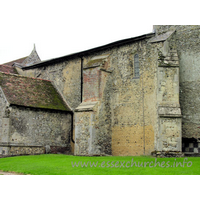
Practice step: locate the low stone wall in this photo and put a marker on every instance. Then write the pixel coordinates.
(164, 154)
(9, 150)
(26, 150)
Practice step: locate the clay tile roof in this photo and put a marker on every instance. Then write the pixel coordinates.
(33, 58)
(8, 69)
(20, 61)
(31, 92)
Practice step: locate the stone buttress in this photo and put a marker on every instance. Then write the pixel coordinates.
(168, 140)
(88, 134)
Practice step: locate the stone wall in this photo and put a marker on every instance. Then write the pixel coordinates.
(125, 121)
(35, 131)
(85, 134)
(169, 138)
(26, 150)
(2, 107)
(65, 75)
(133, 99)
(93, 116)
(187, 41)
(4, 122)
(127, 118)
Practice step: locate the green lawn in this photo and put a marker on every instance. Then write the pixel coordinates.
(58, 164)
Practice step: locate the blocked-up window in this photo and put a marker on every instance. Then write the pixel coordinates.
(136, 65)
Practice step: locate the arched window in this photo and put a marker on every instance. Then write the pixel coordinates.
(136, 66)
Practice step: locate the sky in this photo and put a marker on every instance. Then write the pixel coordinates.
(62, 27)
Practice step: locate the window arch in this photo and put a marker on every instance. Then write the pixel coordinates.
(136, 66)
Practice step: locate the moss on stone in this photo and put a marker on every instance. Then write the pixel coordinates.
(31, 92)
(96, 62)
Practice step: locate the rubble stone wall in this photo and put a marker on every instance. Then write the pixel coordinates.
(125, 121)
(187, 42)
(66, 76)
(32, 130)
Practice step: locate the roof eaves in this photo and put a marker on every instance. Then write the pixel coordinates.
(61, 95)
(41, 108)
(89, 51)
(64, 108)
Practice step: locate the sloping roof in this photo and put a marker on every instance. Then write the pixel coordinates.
(8, 69)
(31, 92)
(161, 37)
(20, 61)
(32, 59)
(86, 52)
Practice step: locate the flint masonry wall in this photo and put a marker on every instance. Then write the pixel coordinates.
(4, 123)
(2, 106)
(134, 112)
(187, 42)
(66, 75)
(125, 120)
(93, 116)
(31, 130)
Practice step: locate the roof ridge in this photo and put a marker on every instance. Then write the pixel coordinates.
(21, 76)
(91, 50)
(16, 60)
(6, 65)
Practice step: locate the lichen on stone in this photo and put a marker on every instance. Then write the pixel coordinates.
(31, 92)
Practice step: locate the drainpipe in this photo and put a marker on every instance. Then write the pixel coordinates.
(72, 126)
(81, 79)
(72, 114)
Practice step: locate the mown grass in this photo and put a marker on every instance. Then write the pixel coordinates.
(58, 164)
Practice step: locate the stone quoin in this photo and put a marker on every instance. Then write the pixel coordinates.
(137, 96)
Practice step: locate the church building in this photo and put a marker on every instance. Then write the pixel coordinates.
(137, 96)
